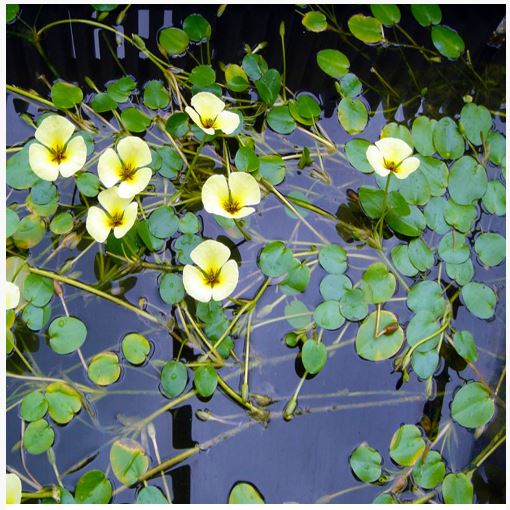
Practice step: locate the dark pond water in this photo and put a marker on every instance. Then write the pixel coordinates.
(351, 400)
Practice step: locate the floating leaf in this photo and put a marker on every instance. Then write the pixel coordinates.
(35, 317)
(205, 381)
(155, 96)
(378, 284)
(245, 493)
(425, 363)
(12, 222)
(390, 339)
(411, 225)
(63, 402)
(280, 120)
(494, 199)
(30, 232)
(476, 121)
(366, 28)
(174, 40)
(37, 290)
(353, 115)
(457, 489)
(93, 488)
(472, 405)
(38, 437)
(353, 305)
(177, 124)
(297, 314)
(467, 181)
(19, 174)
(67, 334)
(333, 286)
(128, 460)
(447, 41)
(276, 259)
(150, 495)
(174, 378)
(272, 168)
(333, 62)
(296, 280)
(462, 273)
(422, 133)
(66, 95)
(426, 14)
(315, 21)
(254, 65)
(490, 248)
(62, 223)
(434, 215)
(246, 160)
(327, 315)
(356, 152)
(236, 78)
(464, 344)
(497, 148)
(350, 85)
(420, 255)
(268, 86)
(479, 299)
(171, 288)
(33, 406)
(460, 217)
(333, 259)
(448, 141)
(120, 90)
(426, 295)
(387, 14)
(135, 120)
(366, 463)
(103, 102)
(104, 368)
(421, 326)
(196, 27)
(314, 355)
(453, 248)
(401, 260)
(406, 445)
(88, 184)
(163, 222)
(429, 472)
(135, 348)
(374, 204)
(11, 12)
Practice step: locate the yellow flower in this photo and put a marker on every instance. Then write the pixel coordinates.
(391, 155)
(209, 114)
(57, 152)
(128, 166)
(11, 295)
(215, 277)
(229, 198)
(120, 215)
(12, 489)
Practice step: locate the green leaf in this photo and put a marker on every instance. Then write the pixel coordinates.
(246, 160)
(387, 14)
(88, 184)
(66, 95)
(350, 85)
(33, 406)
(472, 405)
(37, 290)
(135, 348)
(196, 27)
(496, 143)
(333, 286)
(429, 472)
(202, 76)
(387, 344)
(67, 334)
(426, 14)
(184, 245)
(314, 355)
(63, 402)
(464, 344)
(333, 62)
(415, 188)
(394, 130)
(460, 217)
(268, 86)
(462, 273)
(406, 445)
(104, 368)
(11, 12)
(447, 41)
(453, 248)
(297, 314)
(163, 222)
(205, 381)
(62, 223)
(378, 284)
(401, 260)
(135, 120)
(103, 102)
(38, 437)
(174, 378)
(356, 152)
(327, 315)
(189, 223)
(19, 174)
(366, 28)
(476, 121)
(307, 107)
(275, 259)
(420, 255)
(280, 120)
(333, 259)
(448, 141)
(353, 115)
(434, 215)
(353, 305)
(272, 168)
(366, 463)
(236, 78)
(467, 181)
(120, 90)
(490, 248)
(173, 40)
(425, 363)
(128, 461)
(426, 295)
(155, 96)
(457, 489)
(171, 288)
(410, 225)
(93, 488)
(245, 493)
(30, 232)
(177, 124)
(314, 21)
(479, 299)
(494, 199)
(422, 133)
(296, 280)
(12, 222)
(254, 65)
(421, 326)
(373, 202)
(150, 495)
(385, 498)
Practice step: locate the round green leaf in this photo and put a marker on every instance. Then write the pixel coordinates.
(497, 148)
(276, 259)
(422, 132)
(11, 11)
(12, 222)
(135, 348)
(196, 27)
(434, 215)
(429, 472)
(151, 496)
(34, 406)
(406, 445)
(268, 86)
(128, 461)
(315, 21)
(280, 120)
(202, 76)
(155, 96)
(410, 225)
(353, 115)
(174, 378)
(356, 152)
(421, 326)
(353, 305)
(333, 286)
(177, 124)
(272, 168)
(93, 488)
(477, 122)
(173, 40)
(467, 181)
(246, 160)
(189, 223)
(453, 248)
(327, 315)
(457, 489)
(366, 28)
(464, 344)
(205, 381)
(66, 334)
(472, 405)
(426, 14)
(171, 288)
(366, 463)
(460, 217)
(378, 284)
(37, 290)
(447, 41)
(416, 188)
(30, 232)
(63, 402)
(314, 355)
(420, 255)
(297, 314)
(120, 90)
(296, 280)
(490, 248)
(385, 498)
(254, 65)
(426, 296)
(436, 173)
(103, 102)
(462, 273)
(387, 14)
(350, 85)
(163, 222)
(494, 199)
(236, 78)
(38, 437)
(245, 493)
(62, 223)
(333, 62)
(333, 259)
(425, 363)
(135, 120)
(19, 175)
(66, 95)
(384, 346)
(104, 368)
(401, 260)
(448, 141)
(88, 184)
(479, 299)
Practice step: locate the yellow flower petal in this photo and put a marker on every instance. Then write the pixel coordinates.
(54, 131)
(376, 160)
(393, 150)
(12, 295)
(195, 284)
(210, 255)
(109, 168)
(195, 117)
(135, 184)
(98, 224)
(112, 202)
(207, 105)
(244, 188)
(128, 220)
(41, 162)
(75, 157)
(134, 152)
(12, 489)
(227, 121)
(228, 278)
(407, 167)
(215, 194)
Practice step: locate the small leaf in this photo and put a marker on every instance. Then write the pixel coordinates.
(378, 284)
(490, 248)
(150, 495)
(366, 463)
(135, 348)
(327, 315)
(333, 259)
(104, 368)
(280, 120)
(268, 86)
(464, 344)
(314, 21)
(67, 334)
(448, 141)
(353, 115)
(66, 95)
(457, 489)
(430, 472)
(128, 461)
(205, 381)
(447, 41)
(135, 120)
(33, 406)
(174, 378)
(366, 28)
(155, 96)
(245, 493)
(406, 445)
(426, 14)
(93, 488)
(174, 40)
(333, 62)
(196, 27)
(38, 437)
(63, 402)
(314, 356)
(171, 288)
(479, 299)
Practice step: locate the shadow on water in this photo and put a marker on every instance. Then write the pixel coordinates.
(308, 457)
